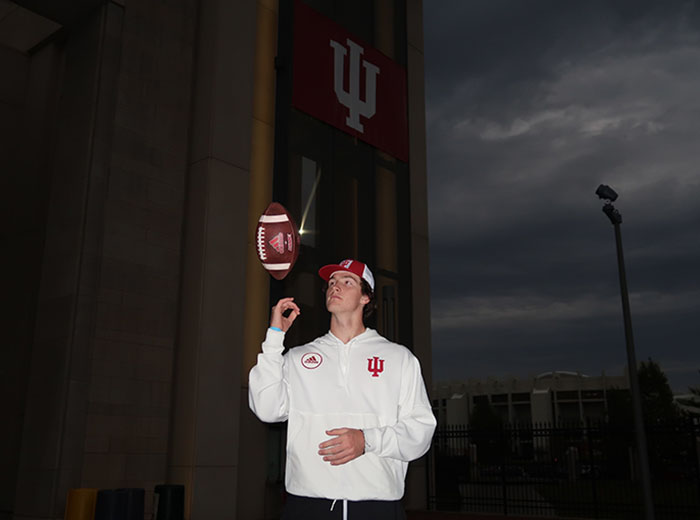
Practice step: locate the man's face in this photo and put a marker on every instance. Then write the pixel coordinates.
(344, 293)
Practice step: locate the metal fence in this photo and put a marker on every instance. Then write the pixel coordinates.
(565, 470)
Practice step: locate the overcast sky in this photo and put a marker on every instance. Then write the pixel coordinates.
(531, 104)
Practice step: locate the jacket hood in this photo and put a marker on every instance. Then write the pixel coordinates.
(368, 335)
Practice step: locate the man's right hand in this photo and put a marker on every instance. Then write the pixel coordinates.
(277, 318)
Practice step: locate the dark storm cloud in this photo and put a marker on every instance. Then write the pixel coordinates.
(531, 105)
(514, 42)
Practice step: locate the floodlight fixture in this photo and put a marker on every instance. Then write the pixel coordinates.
(606, 193)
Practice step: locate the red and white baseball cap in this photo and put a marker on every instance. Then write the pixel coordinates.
(349, 266)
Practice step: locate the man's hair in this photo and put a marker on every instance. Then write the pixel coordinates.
(371, 305)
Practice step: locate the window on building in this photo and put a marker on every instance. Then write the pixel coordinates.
(592, 394)
(481, 399)
(310, 179)
(567, 395)
(522, 397)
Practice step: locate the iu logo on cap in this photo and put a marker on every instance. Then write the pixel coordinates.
(375, 366)
(311, 360)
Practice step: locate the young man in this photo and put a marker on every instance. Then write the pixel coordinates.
(356, 404)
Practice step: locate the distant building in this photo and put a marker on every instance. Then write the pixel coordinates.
(550, 397)
(688, 403)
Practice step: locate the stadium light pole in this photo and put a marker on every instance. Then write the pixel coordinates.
(609, 195)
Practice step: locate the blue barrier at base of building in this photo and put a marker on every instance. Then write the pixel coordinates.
(120, 504)
(170, 502)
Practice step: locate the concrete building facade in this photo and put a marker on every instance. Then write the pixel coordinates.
(139, 143)
(549, 398)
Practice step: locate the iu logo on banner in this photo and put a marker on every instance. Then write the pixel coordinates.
(349, 84)
(351, 98)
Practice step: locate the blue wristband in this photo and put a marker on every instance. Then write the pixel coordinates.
(276, 328)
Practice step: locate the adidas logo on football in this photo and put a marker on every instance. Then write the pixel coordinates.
(278, 243)
(311, 360)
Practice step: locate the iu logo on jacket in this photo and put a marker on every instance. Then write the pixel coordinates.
(375, 366)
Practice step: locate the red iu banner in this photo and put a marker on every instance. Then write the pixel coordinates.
(344, 82)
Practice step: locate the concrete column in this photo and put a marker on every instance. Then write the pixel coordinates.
(204, 452)
(254, 496)
(24, 214)
(53, 434)
(416, 493)
(133, 344)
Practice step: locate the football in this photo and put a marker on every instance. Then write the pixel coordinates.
(277, 241)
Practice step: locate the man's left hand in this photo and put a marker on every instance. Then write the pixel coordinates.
(346, 445)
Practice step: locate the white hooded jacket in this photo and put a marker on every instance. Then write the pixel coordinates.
(370, 384)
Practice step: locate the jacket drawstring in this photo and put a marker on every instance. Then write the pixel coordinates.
(345, 508)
